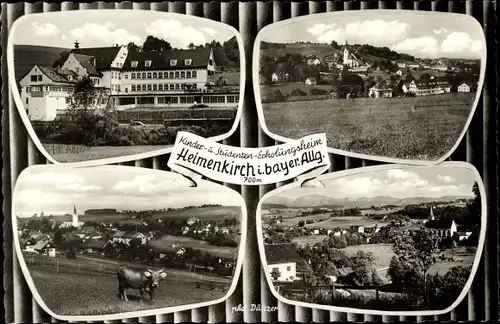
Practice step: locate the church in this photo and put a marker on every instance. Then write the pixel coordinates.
(441, 228)
(74, 221)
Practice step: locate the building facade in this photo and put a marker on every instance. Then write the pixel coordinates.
(174, 78)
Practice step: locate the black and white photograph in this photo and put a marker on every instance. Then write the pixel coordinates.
(112, 240)
(393, 239)
(385, 85)
(114, 83)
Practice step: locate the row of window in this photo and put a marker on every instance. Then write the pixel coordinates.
(36, 78)
(163, 75)
(160, 87)
(49, 88)
(190, 99)
(147, 63)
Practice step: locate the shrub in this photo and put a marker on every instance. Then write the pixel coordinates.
(318, 92)
(297, 93)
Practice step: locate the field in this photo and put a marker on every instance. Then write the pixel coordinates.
(165, 244)
(343, 222)
(309, 240)
(203, 213)
(83, 293)
(384, 254)
(393, 127)
(78, 153)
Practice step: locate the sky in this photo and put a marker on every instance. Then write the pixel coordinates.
(412, 182)
(417, 34)
(56, 190)
(97, 28)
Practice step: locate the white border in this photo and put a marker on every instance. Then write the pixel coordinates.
(144, 13)
(365, 14)
(148, 312)
(370, 169)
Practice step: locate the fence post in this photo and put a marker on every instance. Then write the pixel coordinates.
(57, 265)
(376, 295)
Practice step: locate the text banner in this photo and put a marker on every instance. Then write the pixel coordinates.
(249, 166)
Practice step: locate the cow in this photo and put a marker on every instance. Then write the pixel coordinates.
(145, 281)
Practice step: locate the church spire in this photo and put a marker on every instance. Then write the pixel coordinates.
(74, 209)
(431, 214)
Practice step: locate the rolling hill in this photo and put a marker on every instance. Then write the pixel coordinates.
(322, 201)
(25, 56)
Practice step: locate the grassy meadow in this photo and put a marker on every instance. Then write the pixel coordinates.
(423, 128)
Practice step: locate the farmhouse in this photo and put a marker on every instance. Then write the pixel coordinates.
(310, 81)
(465, 87)
(45, 247)
(282, 258)
(313, 60)
(96, 246)
(380, 90)
(139, 236)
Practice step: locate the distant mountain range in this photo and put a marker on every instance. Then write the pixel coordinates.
(321, 201)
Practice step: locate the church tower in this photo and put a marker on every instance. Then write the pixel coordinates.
(346, 54)
(75, 217)
(431, 214)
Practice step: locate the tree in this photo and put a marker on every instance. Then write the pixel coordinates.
(191, 46)
(155, 44)
(63, 56)
(132, 47)
(474, 209)
(419, 249)
(275, 274)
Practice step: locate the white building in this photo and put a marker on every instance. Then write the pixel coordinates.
(282, 258)
(420, 88)
(441, 228)
(464, 87)
(44, 91)
(350, 59)
(174, 78)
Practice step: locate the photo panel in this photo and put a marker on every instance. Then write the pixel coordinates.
(107, 86)
(383, 240)
(388, 85)
(112, 242)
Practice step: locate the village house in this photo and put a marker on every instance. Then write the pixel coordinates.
(139, 236)
(278, 77)
(463, 235)
(313, 60)
(86, 233)
(45, 247)
(282, 258)
(465, 87)
(95, 246)
(380, 90)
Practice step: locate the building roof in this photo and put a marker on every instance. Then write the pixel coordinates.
(439, 224)
(53, 74)
(161, 60)
(96, 244)
(120, 234)
(104, 55)
(87, 62)
(281, 253)
(137, 235)
(345, 271)
(381, 86)
(41, 244)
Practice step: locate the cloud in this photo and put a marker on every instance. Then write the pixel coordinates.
(103, 33)
(458, 42)
(319, 29)
(440, 31)
(175, 33)
(46, 29)
(423, 45)
(375, 32)
(209, 31)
